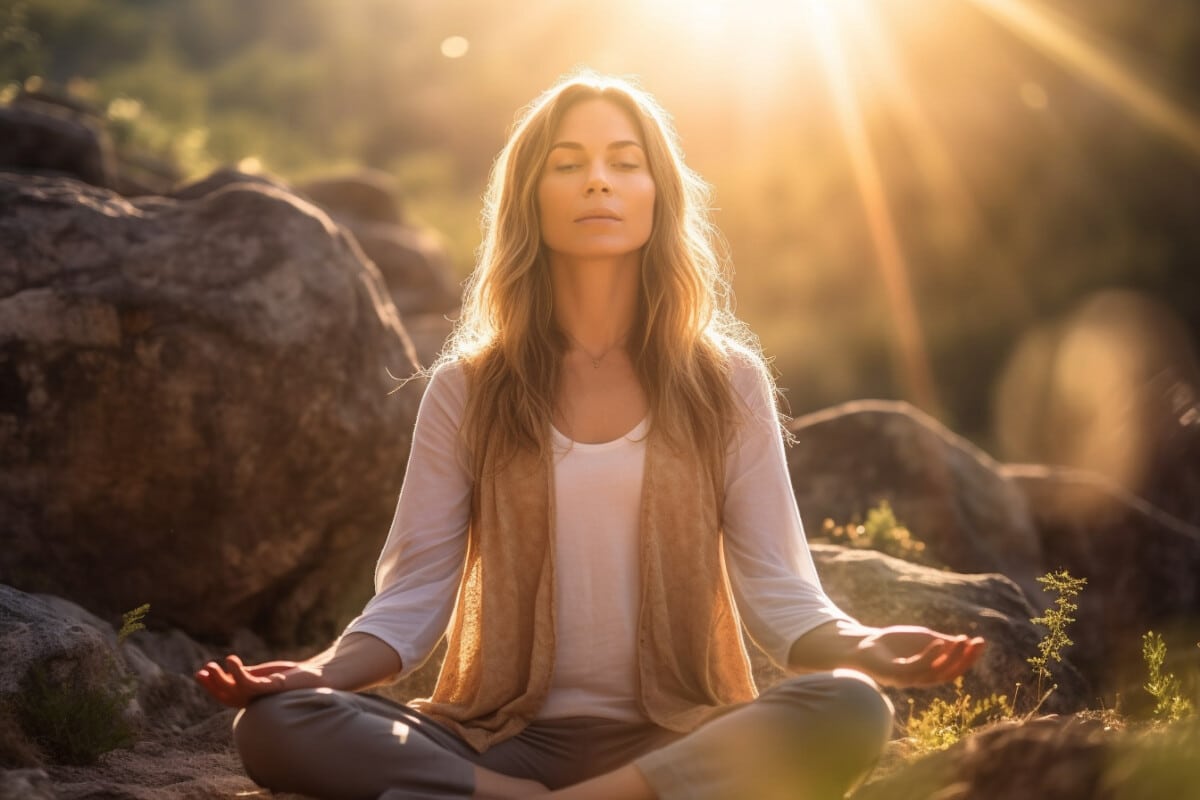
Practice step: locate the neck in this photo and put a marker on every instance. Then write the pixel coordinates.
(595, 300)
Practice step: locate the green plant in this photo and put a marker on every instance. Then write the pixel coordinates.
(75, 721)
(1055, 620)
(881, 531)
(944, 723)
(1170, 704)
(131, 622)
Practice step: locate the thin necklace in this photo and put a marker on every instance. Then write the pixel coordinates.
(597, 359)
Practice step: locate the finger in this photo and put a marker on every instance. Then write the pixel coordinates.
(933, 653)
(950, 653)
(974, 652)
(241, 676)
(218, 690)
(939, 658)
(960, 662)
(216, 675)
(913, 671)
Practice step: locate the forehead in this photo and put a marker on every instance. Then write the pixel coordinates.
(596, 121)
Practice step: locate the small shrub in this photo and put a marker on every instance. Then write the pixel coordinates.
(1170, 704)
(944, 723)
(1055, 620)
(881, 531)
(74, 723)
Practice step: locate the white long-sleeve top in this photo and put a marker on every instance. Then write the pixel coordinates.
(597, 501)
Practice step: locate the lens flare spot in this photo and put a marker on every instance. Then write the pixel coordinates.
(1098, 390)
(455, 46)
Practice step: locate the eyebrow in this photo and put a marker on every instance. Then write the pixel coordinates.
(613, 146)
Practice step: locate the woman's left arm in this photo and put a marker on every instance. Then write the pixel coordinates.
(774, 579)
(898, 655)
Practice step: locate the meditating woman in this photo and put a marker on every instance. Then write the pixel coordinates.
(596, 502)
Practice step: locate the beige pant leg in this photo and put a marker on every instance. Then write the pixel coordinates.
(809, 738)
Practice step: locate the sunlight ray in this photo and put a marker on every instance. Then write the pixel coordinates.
(916, 372)
(1057, 40)
(934, 161)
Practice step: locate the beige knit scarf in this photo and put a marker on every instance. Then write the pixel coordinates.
(500, 643)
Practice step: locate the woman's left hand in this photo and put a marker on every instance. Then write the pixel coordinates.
(909, 655)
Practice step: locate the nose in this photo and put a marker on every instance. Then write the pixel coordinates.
(597, 182)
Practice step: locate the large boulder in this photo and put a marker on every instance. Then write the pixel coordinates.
(949, 493)
(195, 406)
(1142, 566)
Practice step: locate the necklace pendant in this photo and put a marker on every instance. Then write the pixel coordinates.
(595, 363)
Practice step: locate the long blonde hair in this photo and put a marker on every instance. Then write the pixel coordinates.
(684, 332)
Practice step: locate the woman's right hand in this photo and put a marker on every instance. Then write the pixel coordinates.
(235, 684)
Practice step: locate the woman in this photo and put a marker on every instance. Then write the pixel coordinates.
(596, 500)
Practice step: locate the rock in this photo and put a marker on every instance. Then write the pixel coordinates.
(195, 407)
(414, 264)
(59, 99)
(219, 179)
(880, 590)
(413, 260)
(1052, 758)
(26, 784)
(45, 138)
(951, 495)
(1141, 565)
(142, 174)
(62, 684)
(367, 196)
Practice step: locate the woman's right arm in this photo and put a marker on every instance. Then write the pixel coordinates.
(355, 661)
(416, 578)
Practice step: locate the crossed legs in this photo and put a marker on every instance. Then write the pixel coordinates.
(809, 738)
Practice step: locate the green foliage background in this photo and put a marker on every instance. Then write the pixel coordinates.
(1008, 215)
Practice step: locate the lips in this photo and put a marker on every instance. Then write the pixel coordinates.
(598, 214)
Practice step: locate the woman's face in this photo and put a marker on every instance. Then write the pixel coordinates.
(596, 196)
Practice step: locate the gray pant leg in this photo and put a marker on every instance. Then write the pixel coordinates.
(810, 738)
(346, 746)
